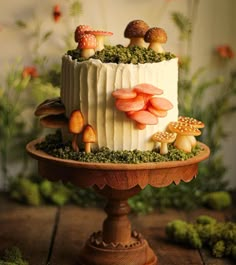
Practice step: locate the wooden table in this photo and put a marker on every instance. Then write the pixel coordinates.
(54, 235)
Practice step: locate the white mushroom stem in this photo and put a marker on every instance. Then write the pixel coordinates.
(74, 143)
(87, 147)
(137, 42)
(192, 140)
(86, 53)
(182, 142)
(163, 149)
(156, 46)
(100, 43)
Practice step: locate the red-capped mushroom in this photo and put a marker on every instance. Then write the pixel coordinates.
(135, 31)
(87, 44)
(99, 35)
(80, 30)
(156, 37)
(89, 137)
(76, 124)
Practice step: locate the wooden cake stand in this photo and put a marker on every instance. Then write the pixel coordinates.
(117, 243)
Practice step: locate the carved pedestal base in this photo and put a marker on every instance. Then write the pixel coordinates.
(97, 252)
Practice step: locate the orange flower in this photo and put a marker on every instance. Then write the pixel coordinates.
(225, 52)
(56, 13)
(30, 71)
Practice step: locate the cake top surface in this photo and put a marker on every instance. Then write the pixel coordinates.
(127, 55)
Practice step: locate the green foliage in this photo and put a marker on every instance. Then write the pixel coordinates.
(218, 200)
(13, 256)
(183, 23)
(36, 191)
(219, 237)
(76, 9)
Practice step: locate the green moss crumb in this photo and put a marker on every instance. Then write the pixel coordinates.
(54, 146)
(127, 55)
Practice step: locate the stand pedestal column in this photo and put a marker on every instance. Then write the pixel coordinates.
(117, 244)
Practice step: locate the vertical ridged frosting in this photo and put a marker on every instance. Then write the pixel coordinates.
(88, 86)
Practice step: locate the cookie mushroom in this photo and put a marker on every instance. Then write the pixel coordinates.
(164, 138)
(76, 125)
(88, 137)
(135, 31)
(156, 37)
(52, 106)
(80, 30)
(87, 44)
(100, 36)
(183, 131)
(54, 121)
(194, 122)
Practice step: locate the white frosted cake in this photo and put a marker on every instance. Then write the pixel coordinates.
(88, 86)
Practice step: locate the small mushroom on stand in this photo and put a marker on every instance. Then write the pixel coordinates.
(135, 31)
(156, 37)
(87, 44)
(76, 125)
(164, 138)
(183, 131)
(89, 137)
(194, 122)
(99, 35)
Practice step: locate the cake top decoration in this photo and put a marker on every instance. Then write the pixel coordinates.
(156, 37)
(135, 31)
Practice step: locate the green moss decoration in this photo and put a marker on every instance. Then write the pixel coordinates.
(53, 146)
(127, 55)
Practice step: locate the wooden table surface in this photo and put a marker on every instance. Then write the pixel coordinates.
(53, 235)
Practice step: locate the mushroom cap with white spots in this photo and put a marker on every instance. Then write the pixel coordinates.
(80, 30)
(164, 137)
(155, 34)
(196, 123)
(182, 128)
(136, 29)
(87, 41)
(99, 32)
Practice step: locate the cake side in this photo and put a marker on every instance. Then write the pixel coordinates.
(88, 86)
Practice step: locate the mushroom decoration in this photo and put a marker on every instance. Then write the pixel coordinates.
(141, 104)
(164, 138)
(54, 121)
(87, 44)
(156, 37)
(194, 122)
(183, 130)
(80, 30)
(135, 31)
(52, 106)
(52, 112)
(89, 137)
(99, 35)
(76, 124)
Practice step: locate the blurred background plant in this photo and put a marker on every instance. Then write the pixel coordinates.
(27, 86)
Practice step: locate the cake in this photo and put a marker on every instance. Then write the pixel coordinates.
(88, 86)
(123, 95)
